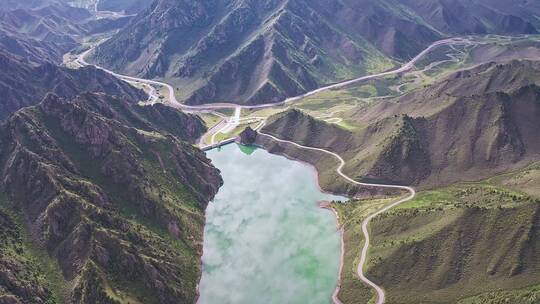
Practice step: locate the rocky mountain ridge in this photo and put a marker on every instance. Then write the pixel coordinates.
(118, 204)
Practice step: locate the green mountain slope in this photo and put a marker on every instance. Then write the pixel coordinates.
(470, 243)
(115, 203)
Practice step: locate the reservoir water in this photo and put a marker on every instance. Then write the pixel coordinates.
(266, 240)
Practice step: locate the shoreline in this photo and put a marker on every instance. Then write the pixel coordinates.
(380, 294)
(327, 205)
(334, 299)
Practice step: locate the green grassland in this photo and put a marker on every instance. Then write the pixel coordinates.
(241, 127)
(226, 112)
(264, 112)
(210, 120)
(530, 295)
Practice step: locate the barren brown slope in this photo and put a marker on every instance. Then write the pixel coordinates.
(447, 132)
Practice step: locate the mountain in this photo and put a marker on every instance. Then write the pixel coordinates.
(33, 50)
(99, 204)
(47, 32)
(102, 200)
(125, 6)
(465, 244)
(471, 125)
(23, 84)
(251, 52)
(526, 9)
(56, 25)
(461, 17)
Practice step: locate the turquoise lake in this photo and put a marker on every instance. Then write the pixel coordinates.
(266, 240)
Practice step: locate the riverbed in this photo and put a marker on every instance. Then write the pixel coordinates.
(266, 240)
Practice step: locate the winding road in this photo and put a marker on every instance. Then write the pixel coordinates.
(189, 108)
(365, 224)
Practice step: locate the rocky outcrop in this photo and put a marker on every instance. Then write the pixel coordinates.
(405, 155)
(157, 117)
(119, 204)
(248, 136)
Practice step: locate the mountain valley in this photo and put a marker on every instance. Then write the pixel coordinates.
(419, 117)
